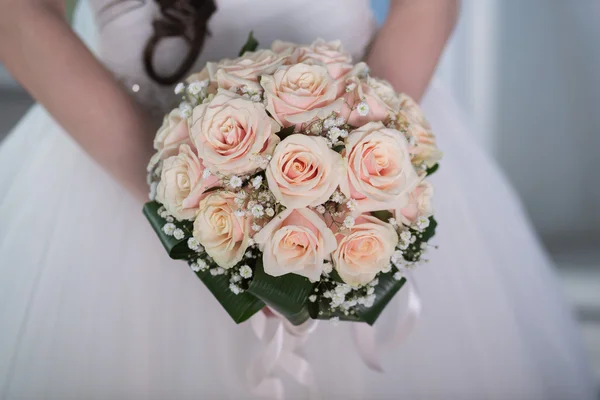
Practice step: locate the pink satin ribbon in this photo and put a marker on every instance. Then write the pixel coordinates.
(282, 340)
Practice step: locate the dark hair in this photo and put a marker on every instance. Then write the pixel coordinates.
(186, 19)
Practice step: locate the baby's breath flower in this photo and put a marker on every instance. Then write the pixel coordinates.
(422, 223)
(312, 298)
(374, 282)
(350, 87)
(195, 267)
(195, 245)
(195, 88)
(329, 123)
(235, 181)
(257, 211)
(206, 173)
(256, 98)
(340, 121)
(398, 275)
(169, 228)
(235, 278)
(235, 289)
(386, 269)
(256, 227)
(179, 88)
(239, 213)
(349, 221)
(270, 212)
(362, 108)
(405, 236)
(251, 242)
(393, 222)
(178, 234)
(320, 209)
(257, 181)
(351, 204)
(185, 109)
(245, 272)
(327, 267)
(397, 258)
(338, 197)
(217, 271)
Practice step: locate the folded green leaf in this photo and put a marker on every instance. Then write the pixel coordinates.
(251, 44)
(176, 248)
(287, 294)
(432, 169)
(240, 306)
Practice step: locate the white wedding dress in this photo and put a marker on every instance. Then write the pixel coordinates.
(91, 307)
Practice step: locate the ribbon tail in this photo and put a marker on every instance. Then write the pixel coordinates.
(364, 336)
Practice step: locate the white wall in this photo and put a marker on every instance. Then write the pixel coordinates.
(528, 71)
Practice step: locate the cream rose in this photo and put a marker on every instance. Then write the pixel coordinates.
(245, 70)
(295, 242)
(330, 54)
(230, 132)
(223, 234)
(299, 93)
(304, 171)
(173, 132)
(364, 250)
(419, 204)
(423, 146)
(379, 174)
(379, 95)
(181, 183)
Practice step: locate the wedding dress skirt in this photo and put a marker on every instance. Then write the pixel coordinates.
(91, 307)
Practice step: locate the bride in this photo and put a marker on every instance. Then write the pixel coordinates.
(90, 305)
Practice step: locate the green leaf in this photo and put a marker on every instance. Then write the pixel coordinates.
(385, 290)
(285, 132)
(382, 215)
(251, 44)
(339, 148)
(432, 169)
(177, 249)
(239, 306)
(287, 294)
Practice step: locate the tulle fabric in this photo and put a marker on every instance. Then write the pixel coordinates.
(91, 307)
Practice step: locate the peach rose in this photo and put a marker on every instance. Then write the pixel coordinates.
(295, 242)
(380, 175)
(181, 183)
(419, 204)
(423, 147)
(245, 70)
(330, 54)
(173, 132)
(223, 234)
(230, 132)
(304, 171)
(364, 250)
(299, 93)
(378, 95)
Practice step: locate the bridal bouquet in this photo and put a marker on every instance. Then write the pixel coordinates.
(291, 178)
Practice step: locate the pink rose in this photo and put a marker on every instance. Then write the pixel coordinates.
(329, 54)
(295, 242)
(379, 96)
(181, 183)
(299, 93)
(411, 120)
(304, 171)
(245, 70)
(172, 133)
(419, 204)
(231, 133)
(364, 250)
(223, 234)
(380, 175)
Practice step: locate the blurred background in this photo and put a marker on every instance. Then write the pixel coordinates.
(527, 74)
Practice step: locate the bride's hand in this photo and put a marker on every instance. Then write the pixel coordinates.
(41, 51)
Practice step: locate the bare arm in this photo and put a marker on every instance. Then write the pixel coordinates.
(407, 48)
(41, 51)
